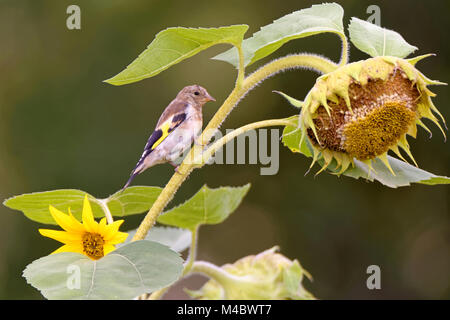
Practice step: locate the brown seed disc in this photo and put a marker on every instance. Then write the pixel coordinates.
(382, 112)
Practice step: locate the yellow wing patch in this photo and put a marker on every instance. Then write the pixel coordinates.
(165, 132)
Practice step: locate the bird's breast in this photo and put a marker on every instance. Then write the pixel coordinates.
(182, 137)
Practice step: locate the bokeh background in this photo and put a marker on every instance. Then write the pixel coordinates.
(62, 127)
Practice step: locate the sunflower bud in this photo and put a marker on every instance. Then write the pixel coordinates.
(266, 276)
(366, 108)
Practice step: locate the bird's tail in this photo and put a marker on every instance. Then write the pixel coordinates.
(134, 174)
(139, 169)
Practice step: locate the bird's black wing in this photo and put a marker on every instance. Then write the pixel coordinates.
(158, 136)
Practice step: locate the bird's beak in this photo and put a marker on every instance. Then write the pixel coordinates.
(209, 98)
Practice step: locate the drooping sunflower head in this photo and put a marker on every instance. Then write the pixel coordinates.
(91, 238)
(366, 108)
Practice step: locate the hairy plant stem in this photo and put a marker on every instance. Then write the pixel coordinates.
(289, 62)
(192, 252)
(207, 269)
(212, 271)
(219, 274)
(345, 52)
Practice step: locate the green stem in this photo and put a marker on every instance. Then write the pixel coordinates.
(208, 269)
(215, 272)
(289, 62)
(192, 251)
(344, 54)
(104, 204)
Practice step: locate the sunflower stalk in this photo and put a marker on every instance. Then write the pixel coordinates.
(344, 52)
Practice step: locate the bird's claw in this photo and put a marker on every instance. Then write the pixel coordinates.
(175, 166)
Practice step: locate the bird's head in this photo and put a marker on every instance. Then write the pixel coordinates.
(196, 94)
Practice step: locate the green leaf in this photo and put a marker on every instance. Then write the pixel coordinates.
(436, 180)
(136, 268)
(207, 206)
(405, 174)
(377, 41)
(132, 200)
(320, 18)
(175, 238)
(172, 46)
(291, 138)
(35, 205)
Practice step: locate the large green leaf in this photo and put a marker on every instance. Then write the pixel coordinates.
(136, 268)
(405, 174)
(173, 45)
(377, 41)
(207, 206)
(320, 18)
(175, 238)
(35, 205)
(132, 200)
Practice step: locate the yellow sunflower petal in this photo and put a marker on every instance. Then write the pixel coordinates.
(88, 218)
(62, 236)
(68, 223)
(112, 229)
(107, 248)
(118, 237)
(69, 248)
(76, 222)
(102, 226)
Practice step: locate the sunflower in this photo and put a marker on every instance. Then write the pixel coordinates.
(365, 109)
(90, 238)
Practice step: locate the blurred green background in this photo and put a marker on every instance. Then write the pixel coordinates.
(61, 127)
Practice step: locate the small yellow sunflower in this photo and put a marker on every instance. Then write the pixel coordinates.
(90, 238)
(365, 109)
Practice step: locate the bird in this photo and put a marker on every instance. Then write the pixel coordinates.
(178, 126)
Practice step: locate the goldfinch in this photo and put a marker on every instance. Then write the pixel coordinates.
(179, 125)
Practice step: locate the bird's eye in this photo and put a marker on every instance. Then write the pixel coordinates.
(196, 93)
